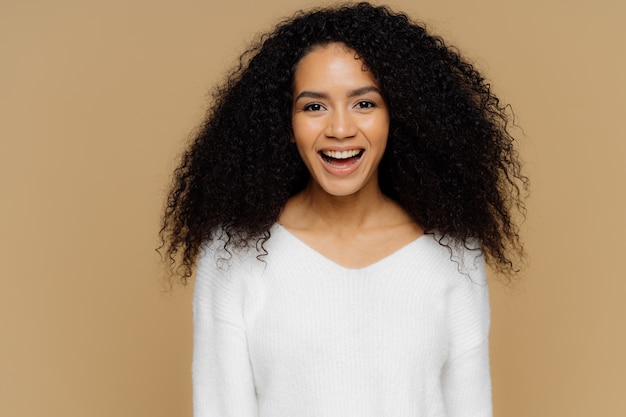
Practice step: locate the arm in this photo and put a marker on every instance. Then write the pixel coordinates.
(466, 379)
(223, 385)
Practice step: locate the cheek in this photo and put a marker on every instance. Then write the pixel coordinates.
(306, 131)
(378, 131)
(384, 127)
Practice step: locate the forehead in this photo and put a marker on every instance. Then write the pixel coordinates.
(332, 64)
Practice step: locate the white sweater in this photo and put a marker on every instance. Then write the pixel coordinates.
(296, 335)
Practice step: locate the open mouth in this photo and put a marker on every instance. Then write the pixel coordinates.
(342, 159)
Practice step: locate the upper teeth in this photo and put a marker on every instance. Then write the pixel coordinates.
(342, 154)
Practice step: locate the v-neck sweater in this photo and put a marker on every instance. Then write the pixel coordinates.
(291, 333)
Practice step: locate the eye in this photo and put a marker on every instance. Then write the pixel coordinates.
(364, 104)
(313, 107)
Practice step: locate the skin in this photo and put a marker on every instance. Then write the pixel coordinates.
(342, 213)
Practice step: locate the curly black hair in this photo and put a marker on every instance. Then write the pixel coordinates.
(449, 162)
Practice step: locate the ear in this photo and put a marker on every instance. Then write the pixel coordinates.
(292, 139)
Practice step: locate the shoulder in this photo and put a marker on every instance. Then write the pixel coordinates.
(451, 258)
(221, 270)
(224, 285)
(222, 252)
(461, 268)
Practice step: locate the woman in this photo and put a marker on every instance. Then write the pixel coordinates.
(341, 198)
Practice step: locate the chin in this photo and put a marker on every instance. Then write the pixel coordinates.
(344, 190)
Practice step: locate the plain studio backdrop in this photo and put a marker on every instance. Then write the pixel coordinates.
(96, 102)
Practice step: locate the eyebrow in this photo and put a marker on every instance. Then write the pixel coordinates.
(351, 93)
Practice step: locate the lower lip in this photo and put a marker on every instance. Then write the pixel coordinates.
(341, 171)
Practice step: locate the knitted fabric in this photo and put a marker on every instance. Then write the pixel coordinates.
(294, 334)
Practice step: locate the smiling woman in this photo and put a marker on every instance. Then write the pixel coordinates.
(340, 221)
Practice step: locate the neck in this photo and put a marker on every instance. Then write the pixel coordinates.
(342, 213)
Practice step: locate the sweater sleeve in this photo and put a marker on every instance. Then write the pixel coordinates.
(466, 378)
(223, 384)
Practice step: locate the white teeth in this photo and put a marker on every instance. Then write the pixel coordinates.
(342, 154)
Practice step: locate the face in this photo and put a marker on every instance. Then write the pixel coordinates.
(340, 120)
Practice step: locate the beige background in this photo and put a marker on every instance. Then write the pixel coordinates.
(96, 100)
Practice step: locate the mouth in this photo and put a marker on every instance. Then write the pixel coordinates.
(341, 159)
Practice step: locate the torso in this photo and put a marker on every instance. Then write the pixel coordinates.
(327, 340)
(312, 337)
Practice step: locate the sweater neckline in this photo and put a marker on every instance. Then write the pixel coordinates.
(379, 263)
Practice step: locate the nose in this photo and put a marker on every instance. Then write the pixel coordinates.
(340, 125)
